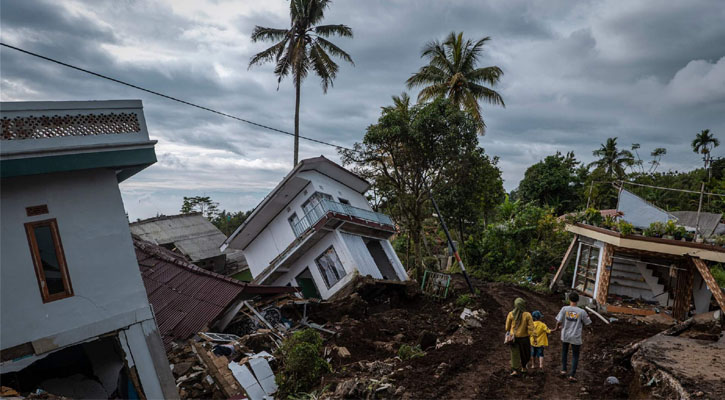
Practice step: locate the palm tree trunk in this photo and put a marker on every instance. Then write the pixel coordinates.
(297, 121)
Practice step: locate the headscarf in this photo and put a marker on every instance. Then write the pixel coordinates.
(537, 315)
(519, 309)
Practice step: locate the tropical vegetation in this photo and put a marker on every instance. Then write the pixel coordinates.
(452, 72)
(301, 48)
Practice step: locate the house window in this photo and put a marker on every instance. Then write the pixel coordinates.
(50, 267)
(344, 201)
(311, 205)
(293, 220)
(586, 272)
(330, 267)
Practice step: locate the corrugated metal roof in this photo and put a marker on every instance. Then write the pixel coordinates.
(192, 234)
(708, 221)
(186, 298)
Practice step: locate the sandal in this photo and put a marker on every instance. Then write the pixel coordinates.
(572, 379)
(514, 373)
(562, 373)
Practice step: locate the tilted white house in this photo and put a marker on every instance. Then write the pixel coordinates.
(75, 319)
(316, 230)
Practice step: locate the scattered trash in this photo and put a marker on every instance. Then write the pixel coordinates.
(473, 319)
(612, 380)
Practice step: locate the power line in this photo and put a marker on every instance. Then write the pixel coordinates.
(672, 189)
(172, 97)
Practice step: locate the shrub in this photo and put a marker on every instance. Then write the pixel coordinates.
(407, 352)
(656, 229)
(625, 228)
(302, 363)
(593, 217)
(718, 272)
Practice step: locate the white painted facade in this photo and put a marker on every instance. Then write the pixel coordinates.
(108, 296)
(274, 237)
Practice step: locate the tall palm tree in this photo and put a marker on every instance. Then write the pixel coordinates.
(451, 72)
(301, 47)
(704, 143)
(612, 160)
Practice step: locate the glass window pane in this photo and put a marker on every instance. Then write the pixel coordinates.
(330, 267)
(49, 259)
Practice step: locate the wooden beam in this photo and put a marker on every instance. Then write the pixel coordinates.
(683, 293)
(605, 272)
(710, 281)
(564, 262)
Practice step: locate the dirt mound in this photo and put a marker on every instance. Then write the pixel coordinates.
(466, 362)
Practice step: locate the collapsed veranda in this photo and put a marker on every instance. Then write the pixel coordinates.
(672, 274)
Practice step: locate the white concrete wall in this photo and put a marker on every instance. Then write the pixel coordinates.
(308, 260)
(278, 234)
(107, 286)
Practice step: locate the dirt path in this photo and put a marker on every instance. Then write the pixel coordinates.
(476, 364)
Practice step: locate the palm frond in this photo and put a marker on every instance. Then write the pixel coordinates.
(489, 95)
(270, 54)
(334, 50)
(331, 30)
(271, 34)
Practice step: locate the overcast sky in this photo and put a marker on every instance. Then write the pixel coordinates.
(575, 73)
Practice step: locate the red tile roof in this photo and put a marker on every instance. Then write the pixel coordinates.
(186, 298)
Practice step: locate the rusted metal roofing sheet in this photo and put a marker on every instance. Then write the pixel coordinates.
(185, 298)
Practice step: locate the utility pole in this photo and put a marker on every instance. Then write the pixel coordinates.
(699, 207)
(450, 241)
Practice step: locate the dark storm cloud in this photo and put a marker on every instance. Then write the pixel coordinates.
(648, 72)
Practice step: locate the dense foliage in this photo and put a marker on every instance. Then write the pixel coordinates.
(414, 149)
(527, 242)
(556, 181)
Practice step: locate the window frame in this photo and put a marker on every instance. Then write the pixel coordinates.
(322, 272)
(38, 264)
(586, 266)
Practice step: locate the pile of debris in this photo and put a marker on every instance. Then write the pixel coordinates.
(240, 361)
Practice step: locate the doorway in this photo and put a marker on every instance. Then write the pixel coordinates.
(381, 260)
(306, 283)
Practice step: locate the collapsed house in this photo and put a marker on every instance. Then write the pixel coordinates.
(316, 230)
(657, 271)
(75, 318)
(187, 299)
(195, 238)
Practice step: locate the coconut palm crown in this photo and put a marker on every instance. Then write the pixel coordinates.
(612, 160)
(302, 47)
(704, 143)
(452, 73)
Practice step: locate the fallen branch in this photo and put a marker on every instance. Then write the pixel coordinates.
(679, 328)
(606, 321)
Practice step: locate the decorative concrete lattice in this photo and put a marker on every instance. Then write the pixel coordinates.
(31, 127)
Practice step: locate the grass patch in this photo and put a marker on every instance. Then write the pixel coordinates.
(407, 352)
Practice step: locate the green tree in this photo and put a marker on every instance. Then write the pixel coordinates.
(201, 204)
(555, 181)
(409, 150)
(703, 143)
(228, 222)
(470, 192)
(303, 47)
(612, 160)
(451, 73)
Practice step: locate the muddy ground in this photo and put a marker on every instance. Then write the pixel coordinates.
(467, 362)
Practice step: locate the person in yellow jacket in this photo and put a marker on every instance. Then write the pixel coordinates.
(539, 339)
(521, 325)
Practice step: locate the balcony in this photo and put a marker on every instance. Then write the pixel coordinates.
(328, 209)
(41, 137)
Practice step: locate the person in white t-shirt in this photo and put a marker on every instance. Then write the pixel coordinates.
(571, 319)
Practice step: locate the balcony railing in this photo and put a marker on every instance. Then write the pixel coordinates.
(325, 206)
